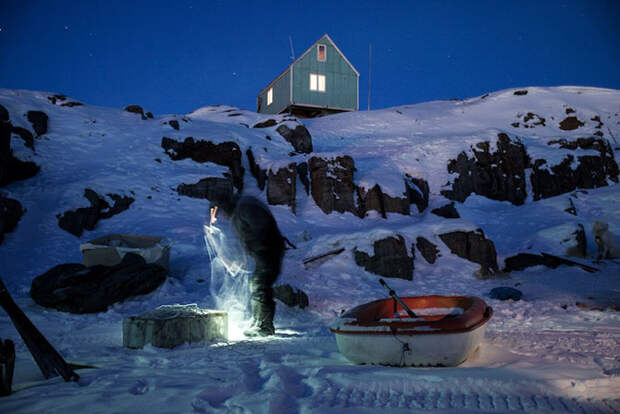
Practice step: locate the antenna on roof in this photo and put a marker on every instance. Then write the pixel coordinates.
(290, 41)
(369, 71)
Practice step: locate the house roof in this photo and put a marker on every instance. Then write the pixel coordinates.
(304, 54)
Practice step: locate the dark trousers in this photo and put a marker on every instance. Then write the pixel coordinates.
(268, 264)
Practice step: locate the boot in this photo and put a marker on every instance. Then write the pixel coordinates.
(262, 323)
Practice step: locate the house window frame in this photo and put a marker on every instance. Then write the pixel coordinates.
(269, 96)
(319, 80)
(318, 52)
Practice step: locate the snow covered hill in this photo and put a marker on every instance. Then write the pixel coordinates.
(532, 168)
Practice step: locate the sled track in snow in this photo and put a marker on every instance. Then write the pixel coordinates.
(334, 396)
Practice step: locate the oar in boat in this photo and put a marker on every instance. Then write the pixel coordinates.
(397, 299)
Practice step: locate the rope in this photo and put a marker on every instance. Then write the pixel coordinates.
(404, 350)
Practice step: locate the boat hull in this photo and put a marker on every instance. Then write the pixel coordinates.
(410, 350)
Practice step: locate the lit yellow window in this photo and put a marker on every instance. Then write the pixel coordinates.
(317, 82)
(269, 96)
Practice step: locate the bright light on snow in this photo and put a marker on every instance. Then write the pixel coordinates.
(229, 284)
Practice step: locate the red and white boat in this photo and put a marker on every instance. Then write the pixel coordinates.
(446, 330)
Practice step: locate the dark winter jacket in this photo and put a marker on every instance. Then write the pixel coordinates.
(256, 227)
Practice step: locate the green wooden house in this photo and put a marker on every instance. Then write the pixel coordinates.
(321, 81)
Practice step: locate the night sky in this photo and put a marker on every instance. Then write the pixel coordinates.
(174, 57)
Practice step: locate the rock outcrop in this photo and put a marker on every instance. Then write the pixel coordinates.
(498, 175)
(303, 174)
(299, 138)
(25, 135)
(417, 192)
(475, 247)
(75, 288)
(448, 211)
(86, 218)
(210, 188)
(11, 212)
(39, 121)
(281, 186)
(375, 199)
(266, 124)
(4, 114)
(259, 174)
(227, 154)
(11, 168)
(592, 171)
(427, 249)
(390, 258)
(331, 183)
(137, 109)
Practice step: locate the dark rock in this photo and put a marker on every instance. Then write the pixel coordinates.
(290, 297)
(299, 137)
(281, 186)
(5, 140)
(591, 172)
(149, 115)
(174, 124)
(473, 246)
(302, 173)
(427, 249)
(21, 170)
(56, 97)
(226, 153)
(76, 221)
(597, 119)
(524, 260)
(72, 104)
(39, 121)
(259, 174)
(417, 192)
(370, 200)
(11, 168)
(74, 288)
(211, 188)
(448, 211)
(521, 92)
(570, 123)
(332, 184)
(136, 109)
(4, 114)
(570, 111)
(505, 293)
(390, 259)
(538, 120)
(266, 124)
(86, 218)
(11, 212)
(499, 175)
(376, 199)
(120, 204)
(24, 134)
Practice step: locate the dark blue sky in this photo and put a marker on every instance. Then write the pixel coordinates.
(173, 57)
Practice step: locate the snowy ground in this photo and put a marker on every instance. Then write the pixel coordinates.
(541, 354)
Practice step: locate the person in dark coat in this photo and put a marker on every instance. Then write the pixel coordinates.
(260, 236)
